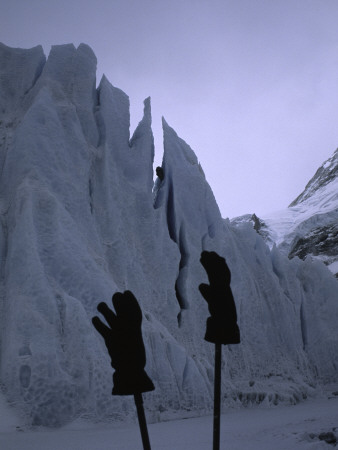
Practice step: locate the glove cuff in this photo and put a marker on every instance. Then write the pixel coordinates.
(130, 383)
(219, 332)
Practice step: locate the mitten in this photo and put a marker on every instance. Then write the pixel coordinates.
(123, 339)
(222, 325)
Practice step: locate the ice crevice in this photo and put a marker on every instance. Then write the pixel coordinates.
(303, 325)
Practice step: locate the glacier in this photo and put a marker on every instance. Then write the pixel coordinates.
(81, 218)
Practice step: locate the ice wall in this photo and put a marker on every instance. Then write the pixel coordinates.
(79, 221)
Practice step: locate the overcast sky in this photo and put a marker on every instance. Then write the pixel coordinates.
(250, 85)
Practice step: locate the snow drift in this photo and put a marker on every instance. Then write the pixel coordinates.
(80, 221)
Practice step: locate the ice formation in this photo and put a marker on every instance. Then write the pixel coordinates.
(80, 221)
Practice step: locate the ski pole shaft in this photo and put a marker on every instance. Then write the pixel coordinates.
(217, 396)
(142, 421)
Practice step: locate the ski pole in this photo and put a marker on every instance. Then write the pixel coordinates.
(142, 421)
(123, 339)
(217, 396)
(222, 325)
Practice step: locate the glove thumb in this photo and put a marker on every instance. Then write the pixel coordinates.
(205, 290)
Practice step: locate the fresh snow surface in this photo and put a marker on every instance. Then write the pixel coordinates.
(294, 427)
(334, 267)
(312, 212)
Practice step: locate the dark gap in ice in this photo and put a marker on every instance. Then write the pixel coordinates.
(178, 296)
(179, 317)
(90, 188)
(98, 118)
(180, 240)
(182, 274)
(303, 326)
(37, 75)
(171, 214)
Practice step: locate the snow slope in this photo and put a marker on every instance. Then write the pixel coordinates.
(318, 210)
(299, 427)
(79, 221)
(309, 225)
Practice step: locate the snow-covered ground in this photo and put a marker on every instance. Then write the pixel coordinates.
(264, 428)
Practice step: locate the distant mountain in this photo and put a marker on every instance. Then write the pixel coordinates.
(326, 174)
(309, 226)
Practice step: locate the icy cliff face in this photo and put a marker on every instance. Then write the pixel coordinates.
(79, 221)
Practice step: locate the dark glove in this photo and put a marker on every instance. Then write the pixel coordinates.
(222, 326)
(123, 339)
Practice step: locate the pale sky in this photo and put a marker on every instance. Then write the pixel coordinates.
(250, 85)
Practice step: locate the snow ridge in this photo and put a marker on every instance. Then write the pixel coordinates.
(326, 173)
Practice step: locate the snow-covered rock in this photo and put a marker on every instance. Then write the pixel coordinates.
(309, 226)
(80, 221)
